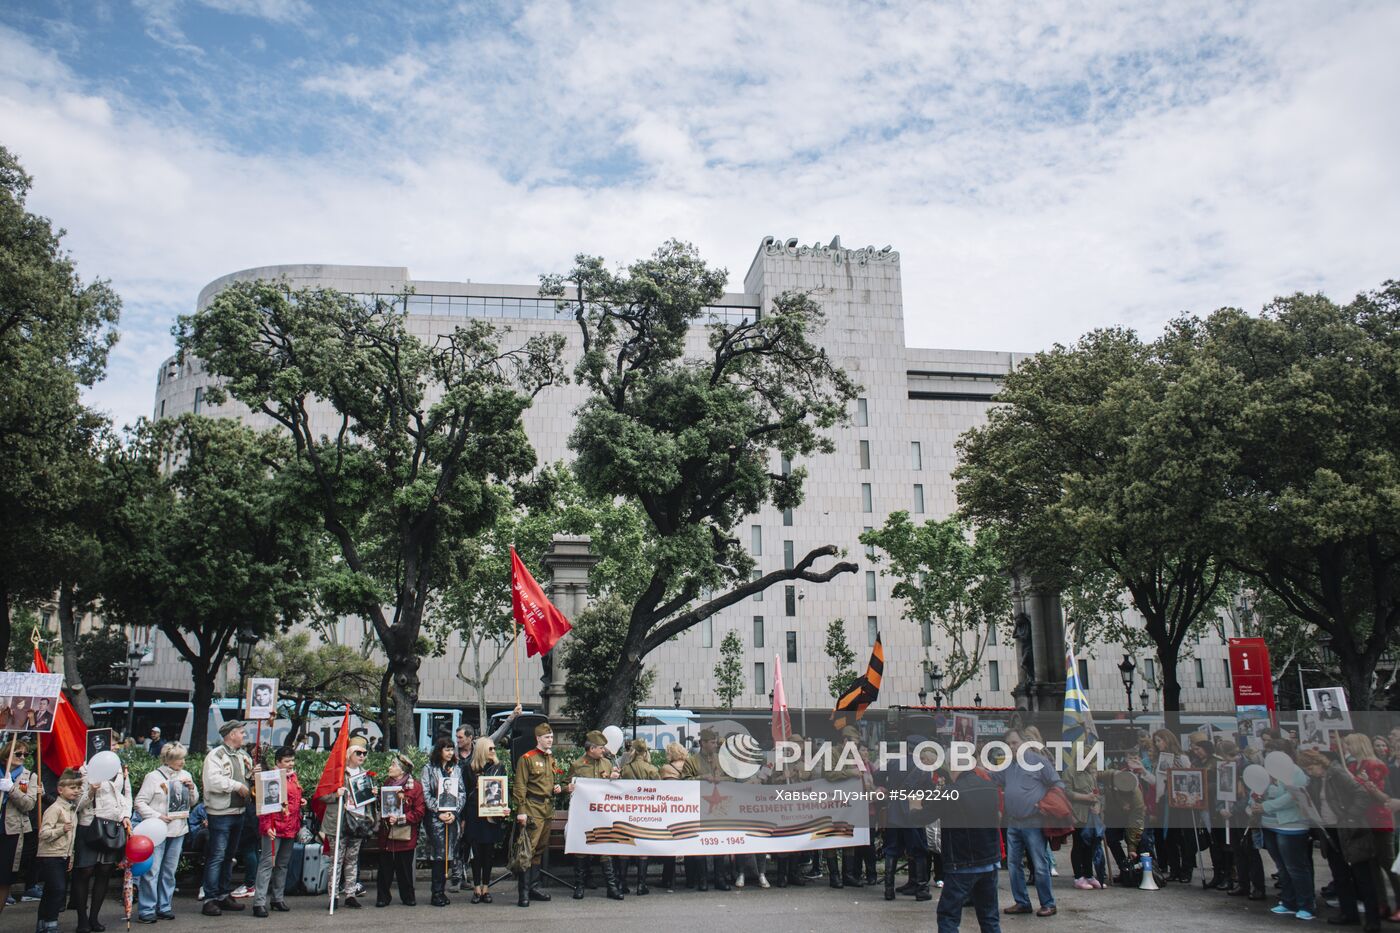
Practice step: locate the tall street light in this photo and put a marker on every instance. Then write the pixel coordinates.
(676, 693)
(935, 677)
(1126, 669)
(135, 651)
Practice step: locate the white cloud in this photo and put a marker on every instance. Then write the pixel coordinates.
(1042, 172)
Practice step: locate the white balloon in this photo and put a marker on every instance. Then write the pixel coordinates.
(614, 736)
(1256, 779)
(154, 829)
(1280, 766)
(103, 767)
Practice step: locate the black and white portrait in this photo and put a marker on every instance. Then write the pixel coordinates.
(262, 698)
(271, 791)
(1330, 704)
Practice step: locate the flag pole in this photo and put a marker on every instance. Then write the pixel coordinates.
(39, 741)
(335, 864)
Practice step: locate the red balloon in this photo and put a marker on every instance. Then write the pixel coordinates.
(139, 848)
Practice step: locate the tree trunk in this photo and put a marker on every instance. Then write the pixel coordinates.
(480, 690)
(406, 685)
(1168, 655)
(201, 699)
(5, 625)
(384, 683)
(619, 691)
(1358, 676)
(68, 634)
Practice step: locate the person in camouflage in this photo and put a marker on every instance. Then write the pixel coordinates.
(532, 796)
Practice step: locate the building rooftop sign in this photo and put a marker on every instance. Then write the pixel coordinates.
(834, 251)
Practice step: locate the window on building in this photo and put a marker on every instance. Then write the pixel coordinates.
(862, 413)
(1084, 674)
(756, 540)
(870, 586)
(758, 631)
(916, 455)
(918, 498)
(1200, 673)
(162, 408)
(45, 618)
(865, 455)
(757, 597)
(992, 636)
(760, 678)
(792, 647)
(867, 502)
(872, 629)
(707, 633)
(787, 518)
(869, 548)
(788, 556)
(786, 466)
(926, 633)
(790, 601)
(1228, 681)
(198, 398)
(993, 675)
(1150, 668)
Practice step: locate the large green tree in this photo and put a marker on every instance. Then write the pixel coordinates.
(590, 653)
(951, 578)
(694, 441)
(1313, 489)
(207, 537)
(309, 678)
(1109, 455)
(55, 333)
(729, 670)
(415, 447)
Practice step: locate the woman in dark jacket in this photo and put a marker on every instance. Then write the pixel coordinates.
(1351, 844)
(484, 833)
(441, 781)
(398, 834)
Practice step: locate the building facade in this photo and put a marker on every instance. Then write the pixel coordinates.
(897, 453)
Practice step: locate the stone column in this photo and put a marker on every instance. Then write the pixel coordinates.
(1046, 692)
(569, 560)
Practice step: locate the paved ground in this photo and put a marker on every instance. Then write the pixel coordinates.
(793, 910)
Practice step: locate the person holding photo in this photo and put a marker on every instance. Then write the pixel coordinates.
(19, 797)
(1178, 842)
(1286, 838)
(354, 825)
(398, 834)
(484, 833)
(104, 813)
(441, 781)
(278, 831)
(157, 886)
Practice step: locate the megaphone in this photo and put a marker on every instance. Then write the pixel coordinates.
(1149, 883)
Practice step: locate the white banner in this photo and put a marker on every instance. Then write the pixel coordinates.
(647, 818)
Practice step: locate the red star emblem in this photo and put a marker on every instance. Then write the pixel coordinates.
(714, 798)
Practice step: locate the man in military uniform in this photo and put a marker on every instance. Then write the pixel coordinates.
(712, 869)
(532, 795)
(638, 767)
(844, 765)
(594, 764)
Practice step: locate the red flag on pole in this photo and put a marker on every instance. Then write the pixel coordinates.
(334, 774)
(66, 745)
(543, 624)
(782, 721)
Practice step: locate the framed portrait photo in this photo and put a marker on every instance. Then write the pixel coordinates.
(271, 790)
(1187, 788)
(390, 801)
(965, 728)
(1225, 779)
(492, 797)
(1330, 704)
(261, 703)
(177, 798)
(98, 740)
(361, 790)
(1312, 732)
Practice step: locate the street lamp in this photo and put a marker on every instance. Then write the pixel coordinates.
(676, 692)
(923, 696)
(977, 699)
(246, 640)
(1143, 698)
(935, 677)
(1126, 669)
(135, 651)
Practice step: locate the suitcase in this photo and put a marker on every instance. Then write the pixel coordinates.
(313, 866)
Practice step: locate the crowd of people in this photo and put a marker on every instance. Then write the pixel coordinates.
(1258, 842)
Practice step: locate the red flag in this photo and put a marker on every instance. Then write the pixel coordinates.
(66, 745)
(543, 624)
(782, 722)
(333, 777)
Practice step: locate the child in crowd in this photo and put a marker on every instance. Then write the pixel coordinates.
(56, 836)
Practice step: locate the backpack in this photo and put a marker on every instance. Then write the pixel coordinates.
(1057, 816)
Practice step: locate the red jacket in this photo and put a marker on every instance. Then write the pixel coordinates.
(285, 825)
(413, 811)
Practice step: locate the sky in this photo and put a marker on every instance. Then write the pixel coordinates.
(1043, 169)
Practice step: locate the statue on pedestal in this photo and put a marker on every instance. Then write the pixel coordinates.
(1025, 648)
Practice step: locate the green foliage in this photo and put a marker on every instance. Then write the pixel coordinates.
(590, 656)
(729, 670)
(55, 334)
(214, 542)
(843, 659)
(417, 450)
(308, 677)
(102, 656)
(22, 623)
(957, 581)
(691, 441)
(1106, 457)
(1312, 489)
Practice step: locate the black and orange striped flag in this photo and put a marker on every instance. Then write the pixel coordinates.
(863, 692)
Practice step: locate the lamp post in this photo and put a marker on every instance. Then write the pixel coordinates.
(1142, 697)
(1126, 669)
(676, 693)
(923, 696)
(135, 651)
(977, 699)
(936, 677)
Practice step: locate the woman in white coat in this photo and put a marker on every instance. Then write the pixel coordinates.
(167, 794)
